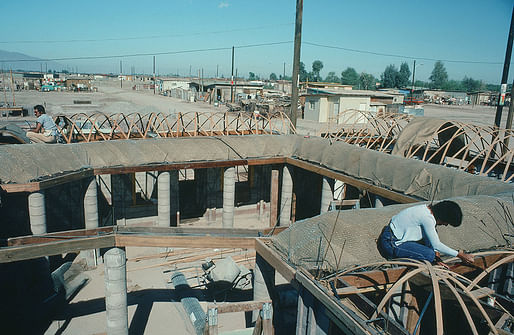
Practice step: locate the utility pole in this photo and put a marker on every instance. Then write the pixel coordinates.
(412, 88)
(216, 71)
(509, 120)
(232, 80)
(190, 72)
(121, 75)
(154, 75)
(505, 75)
(296, 61)
(284, 79)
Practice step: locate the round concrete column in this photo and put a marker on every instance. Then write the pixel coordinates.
(229, 195)
(116, 291)
(326, 195)
(286, 197)
(163, 200)
(91, 205)
(37, 213)
(263, 282)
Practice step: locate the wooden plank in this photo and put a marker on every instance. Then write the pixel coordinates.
(134, 240)
(24, 252)
(177, 231)
(62, 235)
(187, 165)
(395, 196)
(374, 278)
(234, 307)
(274, 198)
(274, 259)
(47, 183)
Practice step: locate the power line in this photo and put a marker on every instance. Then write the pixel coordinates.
(145, 37)
(147, 53)
(400, 56)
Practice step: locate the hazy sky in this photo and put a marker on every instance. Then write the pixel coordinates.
(451, 30)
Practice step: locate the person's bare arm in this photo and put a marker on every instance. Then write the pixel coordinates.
(38, 127)
(468, 258)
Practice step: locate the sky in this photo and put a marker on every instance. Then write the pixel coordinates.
(470, 37)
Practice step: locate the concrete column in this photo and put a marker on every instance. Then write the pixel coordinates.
(263, 282)
(91, 219)
(91, 205)
(379, 201)
(116, 291)
(37, 213)
(229, 193)
(286, 197)
(339, 188)
(163, 200)
(326, 195)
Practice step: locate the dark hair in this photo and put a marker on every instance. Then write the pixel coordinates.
(40, 109)
(448, 212)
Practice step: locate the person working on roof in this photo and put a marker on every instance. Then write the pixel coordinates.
(401, 237)
(46, 130)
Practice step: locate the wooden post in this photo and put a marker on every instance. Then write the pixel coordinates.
(273, 198)
(212, 317)
(267, 316)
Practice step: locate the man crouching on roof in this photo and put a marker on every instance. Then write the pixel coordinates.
(402, 236)
(46, 129)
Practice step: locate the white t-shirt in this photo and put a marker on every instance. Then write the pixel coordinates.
(416, 223)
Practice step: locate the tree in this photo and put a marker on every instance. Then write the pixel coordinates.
(332, 78)
(471, 85)
(403, 75)
(302, 72)
(317, 66)
(439, 75)
(389, 77)
(349, 77)
(252, 76)
(367, 81)
(272, 76)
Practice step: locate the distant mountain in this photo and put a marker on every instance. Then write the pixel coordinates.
(13, 60)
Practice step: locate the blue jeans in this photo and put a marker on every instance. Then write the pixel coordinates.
(414, 250)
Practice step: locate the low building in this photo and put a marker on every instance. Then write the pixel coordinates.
(324, 105)
(78, 83)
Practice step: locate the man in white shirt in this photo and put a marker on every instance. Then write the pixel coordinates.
(46, 129)
(402, 236)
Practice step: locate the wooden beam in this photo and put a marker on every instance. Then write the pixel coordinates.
(188, 165)
(274, 259)
(178, 231)
(47, 183)
(63, 235)
(134, 240)
(24, 252)
(395, 196)
(233, 307)
(273, 199)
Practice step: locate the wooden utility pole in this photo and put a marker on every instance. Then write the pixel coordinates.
(232, 80)
(296, 61)
(505, 75)
(12, 89)
(121, 75)
(153, 74)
